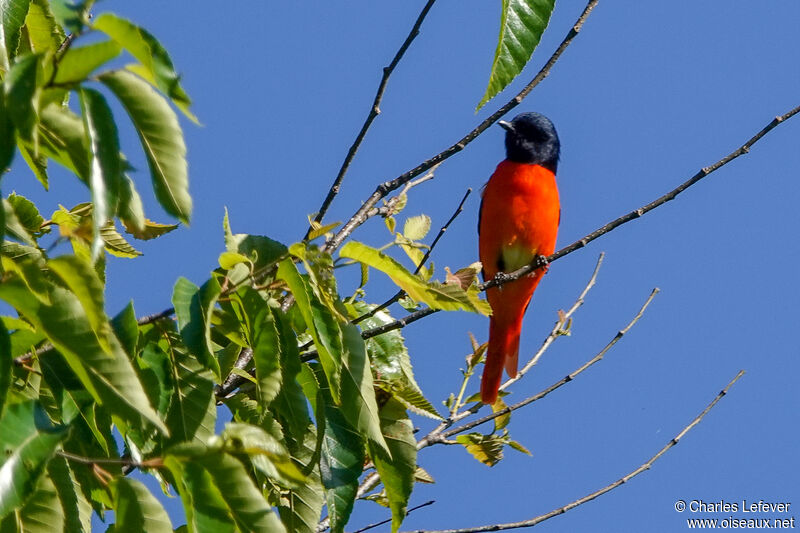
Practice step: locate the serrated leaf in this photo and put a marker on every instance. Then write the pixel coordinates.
(80, 61)
(415, 228)
(82, 280)
(6, 362)
(13, 17)
(266, 452)
(7, 144)
(126, 328)
(130, 209)
(243, 500)
(487, 449)
(136, 509)
(13, 226)
(109, 378)
(319, 230)
(300, 507)
(435, 295)
(27, 441)
(115, 244)
(422, 476)
(359, 405)
(149, 230)
(36, 162)
(522, 24)
(27, 213)
(321, 324)
(341, 459)
(397, 472)
(62, 138)
(106, 173)
(22, 95)
(267, 357)
(193, 308)
(501, 421)
(161, 137)
(41, 27)
(391, 363)
(69, 14)
(156, 65)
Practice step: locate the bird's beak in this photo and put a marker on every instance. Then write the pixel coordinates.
(505, 125)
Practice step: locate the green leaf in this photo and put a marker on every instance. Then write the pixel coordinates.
(27, 213)
(341, 464)
(70, 15)
(267, 454)
(130, 209)
(449, 297)
(192, 408)
(359, 406)
(243, 501)
(6, 363)
(206, 511)
(71, 502)
(80, 61)
(82, 280)
(149, 229)
(391, 363)
(415, 228)
(22, 95)
(161, 137)
(228, 260)
(487, 449)
(267, 357)
(126, 328)
(7, 144)
(106, 161)
(42, 513)
(109, 378)
(27, 441)
(321, 324)
(13, 226)
(41, 26)
(13, 17)
(136, 509)
(63, 139)
(396, 473)
(156, 65)
(522, 24)
(501, 421)
(300, 507)
(115, 244)
(36, 162)
(193, 308)
(30, 273)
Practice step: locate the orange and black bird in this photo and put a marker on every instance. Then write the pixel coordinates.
(518, 220)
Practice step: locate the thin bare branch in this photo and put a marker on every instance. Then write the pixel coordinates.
(433, 438)
(399, 294)
(385, 188)
(374, 111)
(541, 261)
(608, 488)
(378, 524)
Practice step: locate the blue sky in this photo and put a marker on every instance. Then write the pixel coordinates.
(646, 95)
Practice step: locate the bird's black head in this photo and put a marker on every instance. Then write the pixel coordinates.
(532, 138)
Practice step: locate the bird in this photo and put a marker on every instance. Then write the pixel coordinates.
(518, 220)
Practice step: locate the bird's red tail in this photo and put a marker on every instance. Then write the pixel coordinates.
(503, 351)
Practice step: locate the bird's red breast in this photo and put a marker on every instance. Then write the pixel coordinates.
(519, 220)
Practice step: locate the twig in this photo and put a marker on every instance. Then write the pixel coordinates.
(466, 427)
(385, 188)
(374, 111)
(541, 261)
(376, 524)
(156, 316)
(702, 173)
(589, 497)
(150, 463)
(554, 334)
(399, 294)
